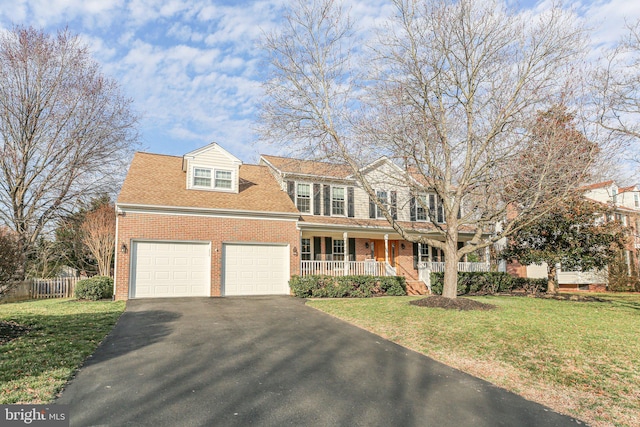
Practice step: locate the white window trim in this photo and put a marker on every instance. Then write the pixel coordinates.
(310, 184)
(344, 201)
(213, 187)
(333, 248)
(426, 208)
(387, 202)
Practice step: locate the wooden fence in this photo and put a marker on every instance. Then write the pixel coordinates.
(55, 287)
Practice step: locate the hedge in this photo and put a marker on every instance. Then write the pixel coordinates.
(94, 288)
(487, 283)
(319, 286)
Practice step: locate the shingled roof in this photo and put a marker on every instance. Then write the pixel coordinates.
(158, 180)
(309, 167)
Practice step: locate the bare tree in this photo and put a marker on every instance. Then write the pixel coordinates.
(65, 129)
(449, 91)
(99, 236)
(618, 81)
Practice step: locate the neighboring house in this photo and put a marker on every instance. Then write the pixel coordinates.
(625, 202)
(206, 224)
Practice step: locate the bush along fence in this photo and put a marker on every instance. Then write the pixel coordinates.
(320, 286)
(53, 287)
(489, 283)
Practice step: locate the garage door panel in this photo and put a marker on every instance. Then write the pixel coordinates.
(255, 269)
(170, 269)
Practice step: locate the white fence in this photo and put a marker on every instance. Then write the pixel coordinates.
(344, 268)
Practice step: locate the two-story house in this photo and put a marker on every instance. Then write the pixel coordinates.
(625, 202)
(206, 224)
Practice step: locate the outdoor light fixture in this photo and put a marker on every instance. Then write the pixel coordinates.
(123, 248)
(401, 245)
(295, 251)
(366, 245)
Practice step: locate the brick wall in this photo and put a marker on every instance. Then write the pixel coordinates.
(139, 226)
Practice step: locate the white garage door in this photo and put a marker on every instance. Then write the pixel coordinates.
(255, 269)
(170, 269)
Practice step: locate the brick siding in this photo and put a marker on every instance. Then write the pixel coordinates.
(143, 226)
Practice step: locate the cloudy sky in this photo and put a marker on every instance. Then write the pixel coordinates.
(192, 67)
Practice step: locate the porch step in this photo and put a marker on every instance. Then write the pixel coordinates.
(416, 287)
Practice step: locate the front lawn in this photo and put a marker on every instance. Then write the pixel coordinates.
(35, 366)
(579, 358)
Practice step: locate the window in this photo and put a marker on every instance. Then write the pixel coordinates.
(424, 252)
(614, 192)
(201, 177)
(338, 250)
(636, 200)
(421, 209)
(305, 249)
(303, 199)
(223, 179)
(382, 196)
(337, 201)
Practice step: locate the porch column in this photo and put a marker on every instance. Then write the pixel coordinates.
(345, 238)
(487, 256)
(386, 248)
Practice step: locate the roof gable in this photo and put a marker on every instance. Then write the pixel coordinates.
(211, 147)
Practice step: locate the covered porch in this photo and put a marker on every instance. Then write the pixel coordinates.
(358, 252)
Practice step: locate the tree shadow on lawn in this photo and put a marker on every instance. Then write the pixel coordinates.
(56, 343)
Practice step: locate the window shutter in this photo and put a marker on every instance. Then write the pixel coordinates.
(394, 205)
(327, 200)
(317, 205)
(317, 249)
(291, 189)
(352, 249)
(351, 208)
(372, 208)
(328, 248)
(440, 210)
(415, 256)
(412, 208)
(432, 207)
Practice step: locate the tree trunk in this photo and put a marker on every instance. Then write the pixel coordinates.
(450, 289)
(551, 279)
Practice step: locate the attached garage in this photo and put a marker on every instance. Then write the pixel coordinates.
(170, 269)
(255, 269)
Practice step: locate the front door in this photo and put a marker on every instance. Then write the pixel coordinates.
(378, 251)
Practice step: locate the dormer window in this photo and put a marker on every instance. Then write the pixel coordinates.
(212, 178)
(202, 177)
(223, 179)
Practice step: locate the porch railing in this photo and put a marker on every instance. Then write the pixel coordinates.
(464, 267)
(344, 268)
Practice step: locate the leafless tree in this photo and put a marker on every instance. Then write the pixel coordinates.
(617, 89)
(451, 92)
(99, 236)
(65, 129)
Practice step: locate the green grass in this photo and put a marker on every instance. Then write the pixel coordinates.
(576, 357)
(34, 367)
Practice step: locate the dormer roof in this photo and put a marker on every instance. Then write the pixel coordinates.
(213, 146)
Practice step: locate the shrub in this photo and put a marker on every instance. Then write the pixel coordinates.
(318, 286)
(94, 288)
(487, 283)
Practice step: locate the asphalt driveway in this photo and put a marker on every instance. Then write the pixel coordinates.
(272, 361)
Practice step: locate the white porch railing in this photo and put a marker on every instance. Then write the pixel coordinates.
(464, 267)
(345, 268)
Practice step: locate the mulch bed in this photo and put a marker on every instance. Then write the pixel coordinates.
(10, 330)
(459, 303)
